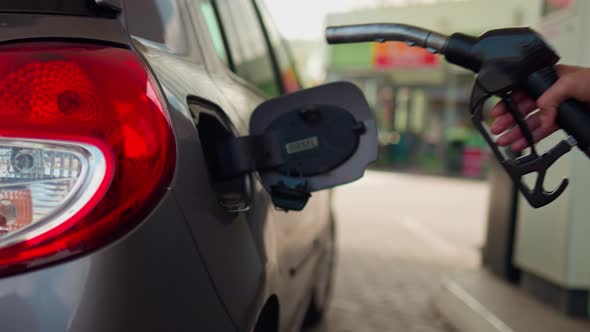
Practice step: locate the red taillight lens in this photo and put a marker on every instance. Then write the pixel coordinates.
(86, 149)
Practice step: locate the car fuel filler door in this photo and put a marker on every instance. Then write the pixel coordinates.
(304, 142)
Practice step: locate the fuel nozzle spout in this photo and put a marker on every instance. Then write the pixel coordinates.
(457, 48)
(383, 32)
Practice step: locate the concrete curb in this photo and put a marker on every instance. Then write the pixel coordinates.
(465, 313)
(476, 301)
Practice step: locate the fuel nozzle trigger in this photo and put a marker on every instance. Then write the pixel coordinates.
(528, 164)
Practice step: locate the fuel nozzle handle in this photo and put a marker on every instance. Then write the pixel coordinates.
(518, 58)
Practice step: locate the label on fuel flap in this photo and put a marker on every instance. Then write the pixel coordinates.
(303, 145)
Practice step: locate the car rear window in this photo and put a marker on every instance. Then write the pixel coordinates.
(65, 7)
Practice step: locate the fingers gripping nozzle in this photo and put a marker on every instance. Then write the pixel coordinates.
(533, 163)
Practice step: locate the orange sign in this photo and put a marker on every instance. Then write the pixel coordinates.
(560, 3)
(551, 6)
(400, 55)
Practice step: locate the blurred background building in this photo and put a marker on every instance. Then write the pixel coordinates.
(421, 104)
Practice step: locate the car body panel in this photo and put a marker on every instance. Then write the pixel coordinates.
(191, 265)
(150, 280)
(295, 232)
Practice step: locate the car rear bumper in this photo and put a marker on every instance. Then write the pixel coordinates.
(150, 280)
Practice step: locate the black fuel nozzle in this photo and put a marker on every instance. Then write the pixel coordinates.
(505, 60)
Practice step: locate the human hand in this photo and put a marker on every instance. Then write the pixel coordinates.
(574, 83)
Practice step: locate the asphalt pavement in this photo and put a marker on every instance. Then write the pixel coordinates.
(398, 236)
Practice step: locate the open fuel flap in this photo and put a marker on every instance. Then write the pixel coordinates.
(304, 142)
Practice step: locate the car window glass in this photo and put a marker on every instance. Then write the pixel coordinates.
(214, 27)
(287, 68)
(247, 45)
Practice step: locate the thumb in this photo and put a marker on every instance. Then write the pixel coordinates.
(549, 102)
(562, 90)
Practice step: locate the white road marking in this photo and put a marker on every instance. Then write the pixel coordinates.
(477, 307)
(431, 238)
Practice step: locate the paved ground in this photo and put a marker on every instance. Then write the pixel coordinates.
(398, 236)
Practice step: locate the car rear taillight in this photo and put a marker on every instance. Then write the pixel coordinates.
(86, 149)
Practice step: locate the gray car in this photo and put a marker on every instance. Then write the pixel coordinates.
(156, 165)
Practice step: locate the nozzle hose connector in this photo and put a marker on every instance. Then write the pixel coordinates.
(382, 32)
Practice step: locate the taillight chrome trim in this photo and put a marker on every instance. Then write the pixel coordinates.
(94, 172)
